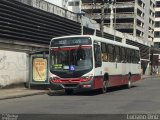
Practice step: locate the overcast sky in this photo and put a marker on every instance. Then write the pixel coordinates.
(56, 2)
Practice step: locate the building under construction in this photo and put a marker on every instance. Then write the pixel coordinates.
(135, 17)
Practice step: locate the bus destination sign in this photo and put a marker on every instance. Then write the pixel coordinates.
(71, 41)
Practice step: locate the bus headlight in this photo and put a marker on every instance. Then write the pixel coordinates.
(53, 79)
(50, 79)
(86, 78)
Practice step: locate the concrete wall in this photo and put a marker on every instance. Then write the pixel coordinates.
(51, 8)
(14, 67)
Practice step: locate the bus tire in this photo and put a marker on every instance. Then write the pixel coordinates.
(68, 91)
(105, 85)
(129, 84)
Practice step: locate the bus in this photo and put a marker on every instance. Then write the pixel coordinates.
(86, 62)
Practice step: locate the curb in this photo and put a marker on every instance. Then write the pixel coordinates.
(23, 95)
(150, 76)
(52, 91)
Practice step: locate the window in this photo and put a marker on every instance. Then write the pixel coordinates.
(137, 57)
(103, 47)
(123, 54)
(157, 44)
(97, 55)
(70, 4)
(133, 56)
(104, 52)
(117, 53)
(111, 53)
(157, 24)
(157, 3)
(157, 14)
(157, 34)
(128, 55)
(76, 3)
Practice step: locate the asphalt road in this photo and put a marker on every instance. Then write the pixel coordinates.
(143, 97)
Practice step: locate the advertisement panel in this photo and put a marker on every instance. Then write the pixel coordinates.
(40, 69)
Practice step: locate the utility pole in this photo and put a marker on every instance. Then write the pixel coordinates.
(81, 14)
(102, 19)
(114, 3)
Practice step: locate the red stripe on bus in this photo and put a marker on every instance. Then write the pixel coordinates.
(98, 82)
(115, 80)
(122, 79)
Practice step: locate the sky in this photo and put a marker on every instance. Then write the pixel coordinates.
(56, 2)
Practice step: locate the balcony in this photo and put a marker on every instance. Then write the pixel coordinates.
(91, 6)
(122, 25)
(98, 5)
(108, 15)
(140, 18)
(125, 15)
(125, 4)
(138, 27)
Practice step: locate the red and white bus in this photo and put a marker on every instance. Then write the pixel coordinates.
(85, 62)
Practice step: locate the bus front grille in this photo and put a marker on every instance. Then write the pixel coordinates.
(70, 85)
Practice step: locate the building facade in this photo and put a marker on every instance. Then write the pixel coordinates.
(135, 17)
(156, 56)
(157, 25)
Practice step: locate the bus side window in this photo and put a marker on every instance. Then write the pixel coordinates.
(128, 55)
(117, 54)
(97, 55)
(137, 56)
(104, 52)
(133, 56)
(111, 53)
(123, 54)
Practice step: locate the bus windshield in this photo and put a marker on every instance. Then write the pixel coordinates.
(66, 60)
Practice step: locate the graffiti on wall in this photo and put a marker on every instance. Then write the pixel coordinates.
(2, 62)
(14, 67)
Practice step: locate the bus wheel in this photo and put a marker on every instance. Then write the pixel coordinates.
(129, 84)
(69, 91)
(105, 85)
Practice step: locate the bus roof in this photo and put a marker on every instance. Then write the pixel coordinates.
(100, 39)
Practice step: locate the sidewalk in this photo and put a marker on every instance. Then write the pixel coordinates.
(150, 76)
(21, 91)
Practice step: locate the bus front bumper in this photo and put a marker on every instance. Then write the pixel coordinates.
(81, 86)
